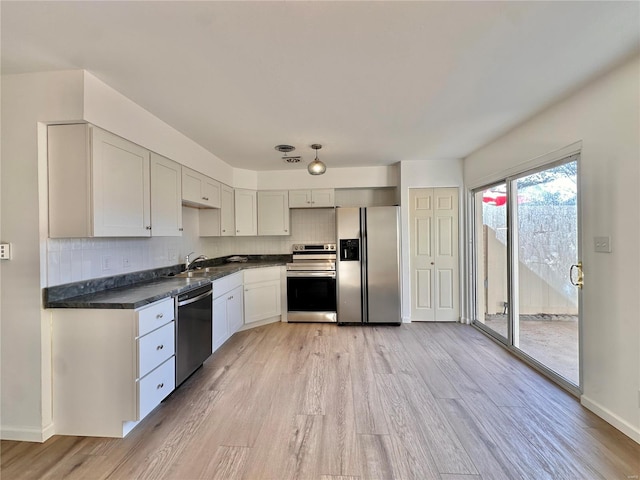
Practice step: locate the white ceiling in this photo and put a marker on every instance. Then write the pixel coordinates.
(374, 82)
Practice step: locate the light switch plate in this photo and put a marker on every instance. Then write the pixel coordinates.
(602, 244)
(5, 251)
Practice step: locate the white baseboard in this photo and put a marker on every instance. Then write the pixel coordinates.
(48, 432)
(22, 434)
(607, 415)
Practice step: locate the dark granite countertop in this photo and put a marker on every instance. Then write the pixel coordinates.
(147, 290)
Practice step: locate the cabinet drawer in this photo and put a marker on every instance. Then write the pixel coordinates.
(155, 315)
(264, 274)
(153, 388)
(226, 284)
(155, 347)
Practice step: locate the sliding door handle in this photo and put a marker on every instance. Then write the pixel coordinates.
(579, 282)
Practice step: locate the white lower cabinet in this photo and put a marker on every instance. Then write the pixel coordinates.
(261, 294)
(228, 315)
(111, 368)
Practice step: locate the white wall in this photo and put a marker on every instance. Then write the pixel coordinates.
(27, 100)
(112, 111)
(427, 174)
(334, 177)
(605, 116)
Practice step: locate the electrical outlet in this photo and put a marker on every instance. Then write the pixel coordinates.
(5, 251)
(172, 254)
(602, 244)
(106, 262)
(125, 262)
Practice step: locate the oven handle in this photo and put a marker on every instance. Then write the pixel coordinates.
(311, 274)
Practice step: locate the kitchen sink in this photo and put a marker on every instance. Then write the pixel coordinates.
(192, 273)
(198, 273)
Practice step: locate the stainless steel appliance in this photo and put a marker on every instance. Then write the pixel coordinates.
(368, 265)
(311, 283)
(194, 315)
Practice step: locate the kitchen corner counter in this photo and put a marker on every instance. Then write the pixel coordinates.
(136, 290)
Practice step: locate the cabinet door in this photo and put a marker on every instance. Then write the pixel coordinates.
(220, 323)
(191, 186)
(245, 212)
(273, 212)
(211, 192)
(120, 181)
(235, 310)
(261, 301)
(299, 198)
(323, 197)
(166, 197)
(227, 212)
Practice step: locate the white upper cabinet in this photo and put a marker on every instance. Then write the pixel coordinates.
(227, 212)
(273, 212)
(216, 222)
(316, 198)
(198, 190)
(99, 184)
(246, 216)
(166, 197)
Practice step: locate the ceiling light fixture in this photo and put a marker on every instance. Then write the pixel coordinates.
(285, 148)
(316, 167)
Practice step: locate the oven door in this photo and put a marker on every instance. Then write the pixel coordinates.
(311, 296)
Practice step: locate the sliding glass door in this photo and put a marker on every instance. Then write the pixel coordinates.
(526, 245)
(492, 294)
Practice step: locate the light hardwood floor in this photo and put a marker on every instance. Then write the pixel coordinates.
(312, 401)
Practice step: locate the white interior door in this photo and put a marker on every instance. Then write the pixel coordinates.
(433, 230)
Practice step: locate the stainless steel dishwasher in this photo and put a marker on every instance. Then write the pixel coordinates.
(194, 311)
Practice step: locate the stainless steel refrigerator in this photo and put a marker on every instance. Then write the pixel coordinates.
(368, 265)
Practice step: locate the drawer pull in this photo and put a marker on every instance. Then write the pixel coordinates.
(205, 198)
(159, 347)
(160, 315)
(160, 385)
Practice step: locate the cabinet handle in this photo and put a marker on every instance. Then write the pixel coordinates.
(286, 230)
(223, 230)
(205, 198)
(160, 315)
(237, 231)
(148, 227)
(159, 347)
(160, 385)
(181, 229)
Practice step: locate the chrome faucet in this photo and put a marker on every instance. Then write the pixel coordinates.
(189, 263)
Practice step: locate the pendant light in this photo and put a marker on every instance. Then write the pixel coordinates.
(316, 167)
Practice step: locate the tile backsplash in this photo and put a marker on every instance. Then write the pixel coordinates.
(77, 259)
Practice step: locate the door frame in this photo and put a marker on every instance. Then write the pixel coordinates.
(545, 162)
